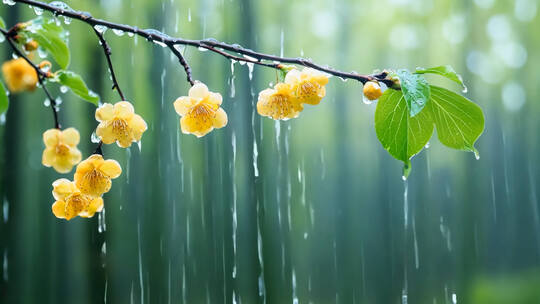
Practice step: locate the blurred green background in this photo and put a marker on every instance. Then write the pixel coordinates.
(311, 210)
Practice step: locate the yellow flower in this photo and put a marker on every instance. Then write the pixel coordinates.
(372, 90)
(19, 75)
(93, 175)
(279, 102)
(200, 111)
(119, 124)
(70, 202)
(61, 149)
(308, 85)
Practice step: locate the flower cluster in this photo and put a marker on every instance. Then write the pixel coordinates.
(82, 197)
(286, 100)
(93, 176)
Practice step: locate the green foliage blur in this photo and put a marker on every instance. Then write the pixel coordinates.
(311, 210)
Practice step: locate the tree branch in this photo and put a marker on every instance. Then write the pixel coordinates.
(183, 62)
(41, 75)
(107, 51)
(209, 44)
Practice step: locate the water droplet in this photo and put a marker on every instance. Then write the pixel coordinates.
(95, 138)
(202, 49)
(9, 2)
(130, 34)
(188, 16)
(47, 102)
(67, 20)
(159, 43)
(367, 101)
(476, 154)
(118, 32)
(42, 53)
(100, 28)
(63, 89)
(37, 10)
(427, 145)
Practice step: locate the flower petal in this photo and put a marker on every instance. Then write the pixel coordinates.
(105, 112)
(215, 99)
(96, 205)
(293, 76)
(198, 91)
(183, 104)
(111, 168)
(62, 188)
(49, 157)
(123, 109)
(59, 209)
(71, 137)
(138, 126)
(220, 120)
(63, 164)
(51, 137)
(105, 132)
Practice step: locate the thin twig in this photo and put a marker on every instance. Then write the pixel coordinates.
(107, 51)
(183, 62)
(40, 73)
(210, 44)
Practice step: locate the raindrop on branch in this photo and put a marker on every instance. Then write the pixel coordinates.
(118, 32)
(9, 2)
(100, 28)
(37, 10)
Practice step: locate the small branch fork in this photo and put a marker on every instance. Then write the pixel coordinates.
(9, 35)
(212, 45)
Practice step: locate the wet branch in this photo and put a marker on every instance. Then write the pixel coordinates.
(107, 51)
(183, 62)
(40, 73)
(209, 44)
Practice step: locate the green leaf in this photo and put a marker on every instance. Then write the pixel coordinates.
(445, 71)
(415, 90)
(459, 121)
(4, 101)
(2, 23)
(51, 37)
(77, 86)
(402, 135)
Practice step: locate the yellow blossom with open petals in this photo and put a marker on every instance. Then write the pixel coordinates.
(200, 111)
(119, 124)
(93, 175)
(61, 151)
(279, 102)
(307, 85)
(70, 202)
(19, 75)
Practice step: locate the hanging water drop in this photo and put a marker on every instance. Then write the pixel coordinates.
(95, 138)
(9, 2)
(37, 10)
(100, 28)
(367, 100)
(64, 89)
(118, 32)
